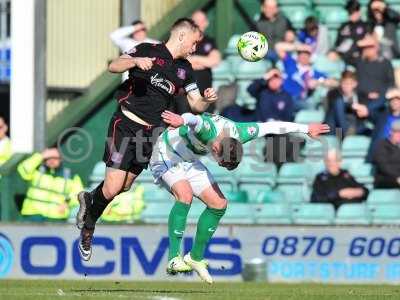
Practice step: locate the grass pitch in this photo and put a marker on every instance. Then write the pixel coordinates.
(63, 290)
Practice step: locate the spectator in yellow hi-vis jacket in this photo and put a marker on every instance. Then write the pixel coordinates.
(126, 207)
(5, 143)
(52, 190)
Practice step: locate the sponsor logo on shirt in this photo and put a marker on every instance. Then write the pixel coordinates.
(162, 83)
(116, 157)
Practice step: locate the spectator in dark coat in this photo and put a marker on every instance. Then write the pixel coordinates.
(273, 103)
(383, 22)
(336, 185)
(386, 159)
(351, 32)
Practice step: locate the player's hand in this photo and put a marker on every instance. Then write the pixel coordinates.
(210, 95)
(172, 119)
(315, 129)
(144, 63)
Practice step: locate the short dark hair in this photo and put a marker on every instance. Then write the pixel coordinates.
(136, 22)
(185, 22)
(310, 23)
(348, 74)
(231, 153)
(352, 6)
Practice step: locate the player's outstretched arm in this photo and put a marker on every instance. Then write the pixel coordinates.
(277, 127)
(199, 103)
(126, 62)
(175, 120)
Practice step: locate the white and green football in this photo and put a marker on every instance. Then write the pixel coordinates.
(252, 46)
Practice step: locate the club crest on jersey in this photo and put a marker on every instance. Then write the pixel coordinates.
(251, 130)
(163, 84)
(181, 73)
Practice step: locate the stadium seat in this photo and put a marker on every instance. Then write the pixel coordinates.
(296, 14)
(252, 70)
(352, 162)
(307, 116)
(293, 173)
(355, 146)
(332, 68)
(313, 214)
(272, 213)
(383, 196)
(157, 194)
(237, 196)
(195, 211)
(231, 49)
(254, 149)
(234, 62)
(263, 196)
(363, 173)
(332, 16)
(156, 212)
(242, 93)
(224, 178)
(98, 173)
(329, 2)
(222, 74)
(294, 3)
(295, 193)
(317, 148)
(315, 167)
(353, 214)
(383, 214)
(238, 213)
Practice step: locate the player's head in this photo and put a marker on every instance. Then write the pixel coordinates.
(348, 82)
(269, 8)
(140, 30)
(201, 20)
(353, 7)
(393, 96)
(228, 152)
(185, 35)
(333, 161)
(3, 128)
(54, 161)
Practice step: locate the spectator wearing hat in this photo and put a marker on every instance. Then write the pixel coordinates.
(383, 22)
(300, 77)
(273, 103)
(386, 159)
(336, 185)
(351, 32)
(314, 35)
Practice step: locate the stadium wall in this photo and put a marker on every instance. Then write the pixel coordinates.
(294, 254)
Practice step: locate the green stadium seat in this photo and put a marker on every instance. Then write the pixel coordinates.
(254, 149)
(252, 70)
(307, 116)
(313, 214)
(294, 3)
(332, 16)
(395, 63)
(231, 49)
(315, 167)
(317, 148)
(293, 173)
(221, 175)
(98, 173)
(295, 193)
(353, 214)
(332, 36)
(234, 62)
(157, 194)
(273, 213)
(156, 212)
(237, 196)
(238, 213)
(383, 196)
(363, 173)
(355, 146)
(384, 214)
(352, 162)
(195, 211)
(242, 93)
(222, 74)
(296, 14)
(333, 69)
(268, 196)
(329, 2)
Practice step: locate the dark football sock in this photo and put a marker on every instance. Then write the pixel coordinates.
(95, 210)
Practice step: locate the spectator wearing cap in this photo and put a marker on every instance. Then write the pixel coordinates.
(336, 185)
(386, 159)
(274, 25)
(273, 103)
(375, 74)
(351, 32)
(5, 143)
(314, 35)
(300, 77)
(383, 22)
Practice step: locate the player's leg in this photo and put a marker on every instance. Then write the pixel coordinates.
(206, 226)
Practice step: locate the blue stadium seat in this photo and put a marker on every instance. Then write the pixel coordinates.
(353, 214)
(272, 213)
(355, 146)
(383, 196)
(238, 213)
(384, 214)
(313, 214)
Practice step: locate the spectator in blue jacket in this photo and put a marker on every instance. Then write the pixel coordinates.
(273, 103)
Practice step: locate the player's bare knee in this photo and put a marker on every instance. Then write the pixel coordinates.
(184, 196)
(221, 203)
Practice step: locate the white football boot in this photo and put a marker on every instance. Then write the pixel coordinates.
(177, 265)
(201, 268)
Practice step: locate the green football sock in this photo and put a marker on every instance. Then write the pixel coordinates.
(176, 227)
(207, 225)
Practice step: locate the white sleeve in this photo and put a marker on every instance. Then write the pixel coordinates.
(276, 127)
(120, 35)
(194, 121)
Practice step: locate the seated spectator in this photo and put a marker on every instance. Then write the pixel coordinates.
(344, 105)
(383, 126)
(336, 185)
(374, 73)
(315, 35)
(386, 159)
(383, 22)
(52, 190)
(274, 25)
(351, 32)
(273, 103)
(5, 143)
(300, 78)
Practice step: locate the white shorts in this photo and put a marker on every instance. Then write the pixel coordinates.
(194, 172)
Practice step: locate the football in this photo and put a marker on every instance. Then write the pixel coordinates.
(252, 46)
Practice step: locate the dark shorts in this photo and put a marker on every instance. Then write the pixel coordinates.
(129, 145)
